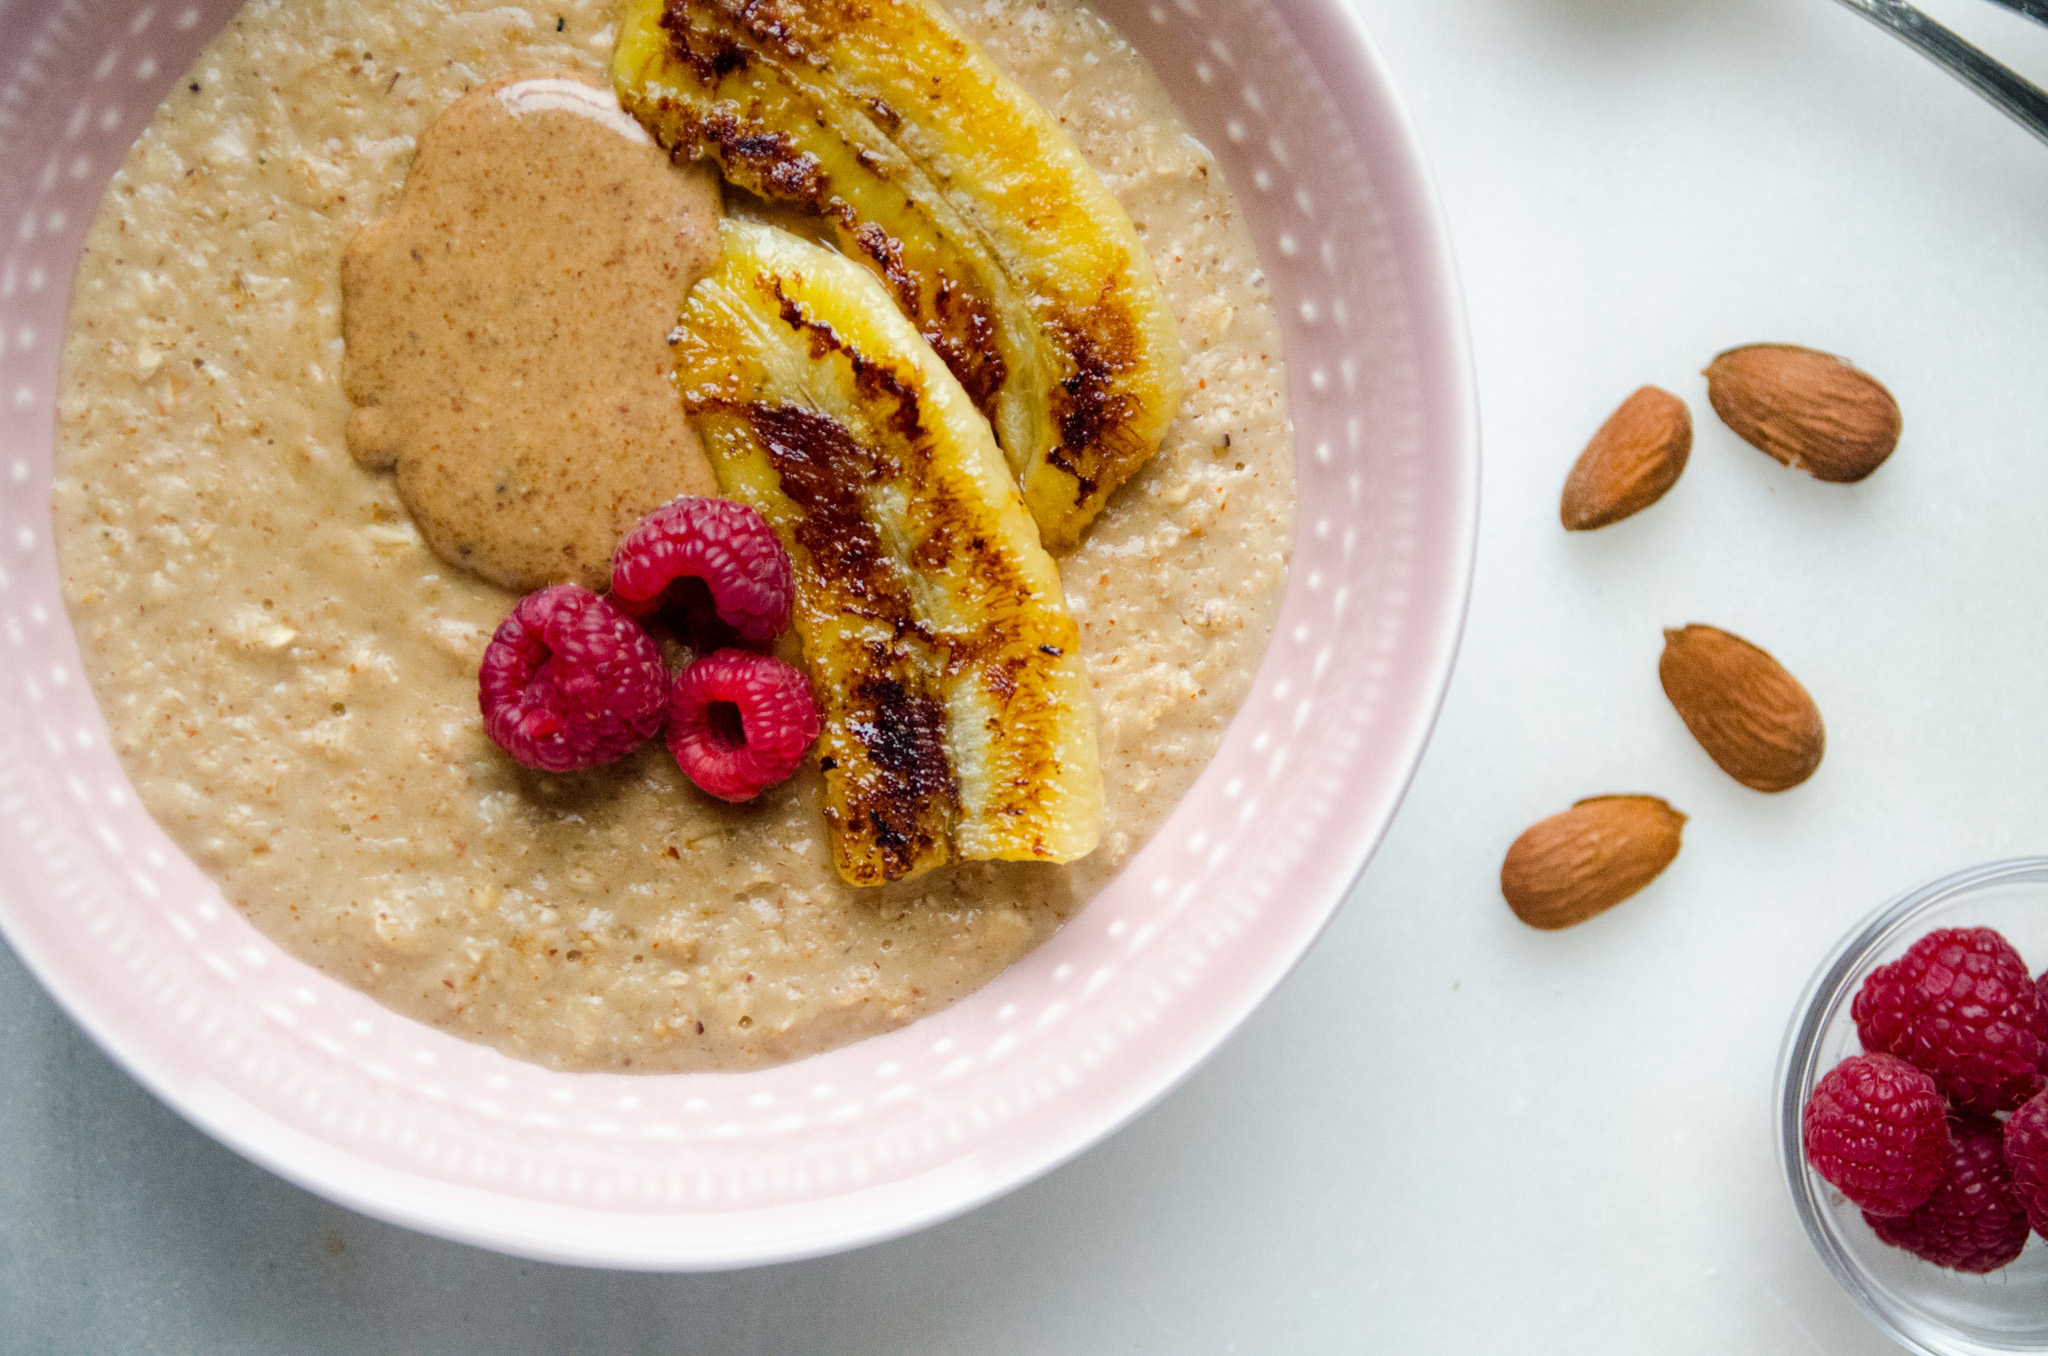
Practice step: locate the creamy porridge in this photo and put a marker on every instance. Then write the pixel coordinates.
(289, 672)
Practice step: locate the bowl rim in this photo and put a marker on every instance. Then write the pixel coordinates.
(1820, 1002)
(1336, 45)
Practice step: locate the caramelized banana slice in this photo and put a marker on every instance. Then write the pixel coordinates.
(958, 718)
(953, 187)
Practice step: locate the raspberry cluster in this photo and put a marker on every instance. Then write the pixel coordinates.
(1955, 1034)
(573, 679)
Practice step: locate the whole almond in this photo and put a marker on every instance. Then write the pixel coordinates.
(1636, 456)
(1806, 408)
(1748, 713)
(1588, 859)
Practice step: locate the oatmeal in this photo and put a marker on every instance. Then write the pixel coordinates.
(289, 672)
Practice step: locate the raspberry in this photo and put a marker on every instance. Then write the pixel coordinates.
(569, 682)
(1973, 1221)
(2026, 1153)
(1961, 1005)
(1876, 1128)
(690, 552)
(739, 722)
(2041, 992)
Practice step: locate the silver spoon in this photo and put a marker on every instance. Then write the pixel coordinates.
(2025, 103)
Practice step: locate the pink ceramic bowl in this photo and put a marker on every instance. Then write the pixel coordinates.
(321, 1085)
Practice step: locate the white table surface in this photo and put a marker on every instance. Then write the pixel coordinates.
(1445, 1132)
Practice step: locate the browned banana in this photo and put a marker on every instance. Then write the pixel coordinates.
(958, 719)
(957, 190)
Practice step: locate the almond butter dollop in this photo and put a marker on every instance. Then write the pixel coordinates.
(506, 330)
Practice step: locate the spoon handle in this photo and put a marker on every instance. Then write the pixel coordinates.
(2025, 103)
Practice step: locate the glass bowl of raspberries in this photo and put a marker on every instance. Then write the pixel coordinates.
(1913, 1112)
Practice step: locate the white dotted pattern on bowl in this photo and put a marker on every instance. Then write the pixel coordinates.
(321, 1083)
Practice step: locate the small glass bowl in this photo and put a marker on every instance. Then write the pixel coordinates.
(1925, 1307)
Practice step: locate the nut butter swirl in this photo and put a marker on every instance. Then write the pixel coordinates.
(506, 328)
